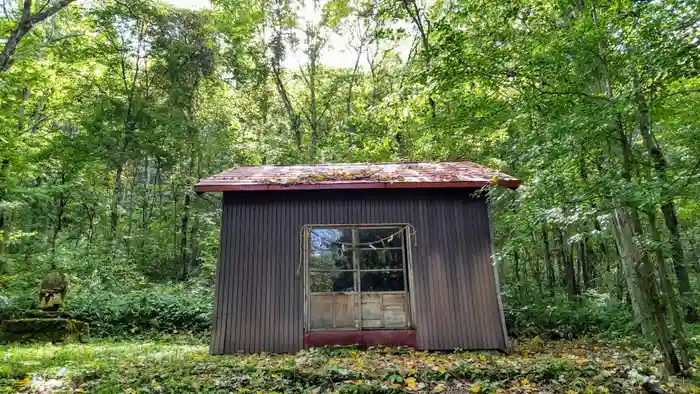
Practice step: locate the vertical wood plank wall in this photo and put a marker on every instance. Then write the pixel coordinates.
(258, 302)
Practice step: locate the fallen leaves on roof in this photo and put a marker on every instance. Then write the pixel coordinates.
(335, 175)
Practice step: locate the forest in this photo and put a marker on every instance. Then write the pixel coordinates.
(111, 111)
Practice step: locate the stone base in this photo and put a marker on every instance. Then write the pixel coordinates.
(43, 330)
(49, 314)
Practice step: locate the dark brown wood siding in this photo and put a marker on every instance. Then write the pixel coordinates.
(259, 286)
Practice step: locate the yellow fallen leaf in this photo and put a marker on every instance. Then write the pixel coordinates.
(411, 383)
(475, 388)
(440, 387)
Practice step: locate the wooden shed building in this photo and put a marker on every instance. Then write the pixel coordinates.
(394, 253)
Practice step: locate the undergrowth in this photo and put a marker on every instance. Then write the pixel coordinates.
(150, 367)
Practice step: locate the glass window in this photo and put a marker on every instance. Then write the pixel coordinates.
(332, 281)
(380, 237)
(330, 238)
(382, 281)
(343, 261)
(330, 259)
(381, 259)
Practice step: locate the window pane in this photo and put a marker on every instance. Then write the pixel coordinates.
(330, 238)
(328, 282)
(381, 259)
(382, 281)
(330, 259)
(381, 237)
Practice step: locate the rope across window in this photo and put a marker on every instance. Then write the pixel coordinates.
(306, 230)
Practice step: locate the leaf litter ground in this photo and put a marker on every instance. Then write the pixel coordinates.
(156, 367)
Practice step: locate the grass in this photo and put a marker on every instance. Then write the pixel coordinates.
(185, 367)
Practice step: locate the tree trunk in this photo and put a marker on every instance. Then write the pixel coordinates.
(423, 31)
(627, 228)
(669, 293)
(130, 210)
(569, 269)
(184, 248)
(348, 101)
(313, 57)
(184, 260)
(667, 207)
(537, 271)
(548, 262)
(25, 24)
(587, 270)
(4, 231)
(58, 225)
(116, 198)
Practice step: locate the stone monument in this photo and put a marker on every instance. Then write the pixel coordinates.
(49, 323)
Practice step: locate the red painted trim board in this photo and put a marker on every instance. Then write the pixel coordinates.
(363, 338)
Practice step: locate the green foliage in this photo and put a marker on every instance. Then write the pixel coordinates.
(561, 318)
(163, 309)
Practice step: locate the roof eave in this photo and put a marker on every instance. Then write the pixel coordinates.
(204, 187)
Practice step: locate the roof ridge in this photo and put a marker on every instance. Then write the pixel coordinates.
(354, 163)
(358, 175)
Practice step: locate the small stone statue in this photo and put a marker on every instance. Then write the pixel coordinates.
(49, 323)
(53, 291)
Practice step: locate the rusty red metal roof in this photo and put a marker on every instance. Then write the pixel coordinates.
(356, 176)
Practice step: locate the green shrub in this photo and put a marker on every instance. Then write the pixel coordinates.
(561, 318)
(168, 308)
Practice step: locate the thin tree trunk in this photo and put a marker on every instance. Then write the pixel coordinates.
(4, 175)
(130, 209)
(313, 58)
(184, 258)
(184, 249)
(423, 31)
(58, 225)
(569, 269)
(548, 262)
(538, 270)
(146, 193)
(585, 264)
(116, 198)
(516, 269)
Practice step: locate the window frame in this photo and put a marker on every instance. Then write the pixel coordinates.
(406, 259)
